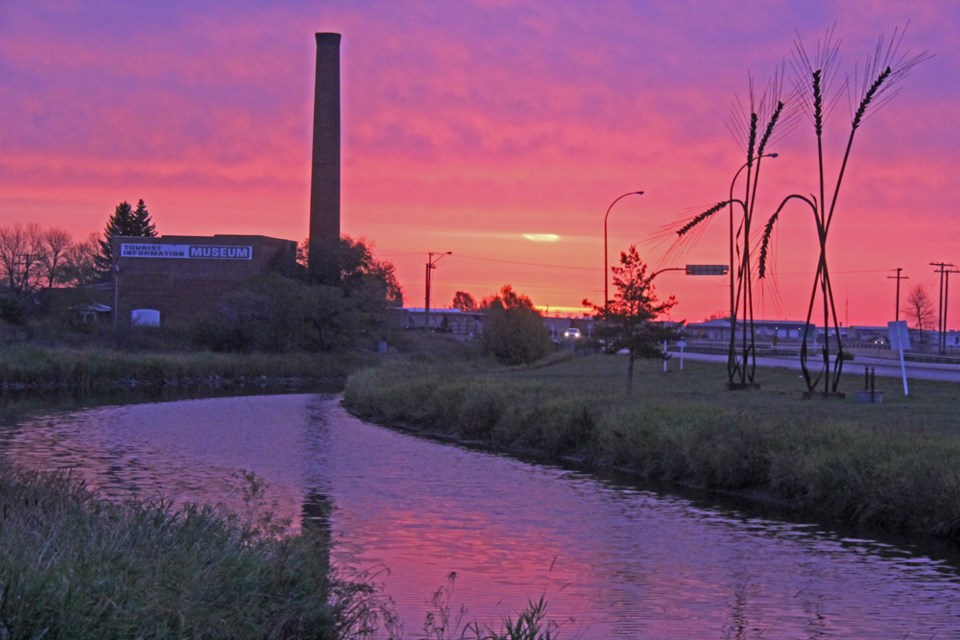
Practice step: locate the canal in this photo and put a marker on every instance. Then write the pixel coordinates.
(612, 560)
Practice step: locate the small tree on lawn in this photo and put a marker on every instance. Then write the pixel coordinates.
(920, 310)
(628, 321)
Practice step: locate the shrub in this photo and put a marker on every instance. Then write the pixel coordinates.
(513, 330)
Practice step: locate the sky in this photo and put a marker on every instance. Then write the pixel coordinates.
(501, 131)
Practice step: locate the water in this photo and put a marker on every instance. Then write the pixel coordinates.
(611, 561)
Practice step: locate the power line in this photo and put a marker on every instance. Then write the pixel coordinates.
(530, 264)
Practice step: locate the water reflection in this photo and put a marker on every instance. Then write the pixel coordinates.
(616, 561)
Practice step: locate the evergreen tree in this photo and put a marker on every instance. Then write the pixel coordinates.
(142, 224)
(629, 320)
(125, 221)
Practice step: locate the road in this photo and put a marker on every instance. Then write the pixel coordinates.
(884, 366)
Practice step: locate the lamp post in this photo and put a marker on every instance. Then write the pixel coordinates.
(733, 304)
(695, 270)
(606, 269)
(431, 262)
(690, 270)
(730, 201)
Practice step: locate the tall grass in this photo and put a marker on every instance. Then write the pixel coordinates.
(894, 466)
(442, 623)
(73, 566)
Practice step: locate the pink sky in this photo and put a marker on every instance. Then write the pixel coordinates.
(472, 126)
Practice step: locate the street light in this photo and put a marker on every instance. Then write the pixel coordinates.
(606, 269)
(696, 270)
(733, 309)
(431, 261)
(730, 204)
(690, 270)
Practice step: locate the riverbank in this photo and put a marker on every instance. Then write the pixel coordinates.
(75, 566)
(33, 368)
(893, 466)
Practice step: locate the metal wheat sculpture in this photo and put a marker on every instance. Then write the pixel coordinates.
(742, 355)
(883, 70)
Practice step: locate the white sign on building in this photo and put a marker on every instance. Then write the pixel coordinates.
(186, 251)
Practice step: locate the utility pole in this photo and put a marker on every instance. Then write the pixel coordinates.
(898, 278)
(431, 265)
(946, 298)
(116, 292)
(941, 315)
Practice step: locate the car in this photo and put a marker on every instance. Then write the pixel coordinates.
(571, 334)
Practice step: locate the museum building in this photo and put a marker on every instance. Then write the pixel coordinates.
(174, 279)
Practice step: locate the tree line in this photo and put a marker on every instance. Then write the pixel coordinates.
(272, 312)
(35, 257)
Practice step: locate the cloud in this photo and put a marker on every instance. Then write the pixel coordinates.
(474, 123)
(542, 237)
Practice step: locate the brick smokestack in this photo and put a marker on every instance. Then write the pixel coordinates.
(325, 180)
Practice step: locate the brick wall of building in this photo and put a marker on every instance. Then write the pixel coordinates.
(185, 277)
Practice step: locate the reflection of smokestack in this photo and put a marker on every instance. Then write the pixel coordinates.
(325, 181)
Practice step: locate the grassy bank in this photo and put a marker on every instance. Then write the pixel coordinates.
(72, 566)
(894, 466)
(26, 367)
(75, 566)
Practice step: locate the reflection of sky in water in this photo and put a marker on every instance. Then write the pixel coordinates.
(620, 562)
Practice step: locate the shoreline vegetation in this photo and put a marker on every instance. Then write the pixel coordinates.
(29, 368)
(73, 564)
(70, 560)
(891, 467)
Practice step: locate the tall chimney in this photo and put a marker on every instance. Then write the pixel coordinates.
(325, 181)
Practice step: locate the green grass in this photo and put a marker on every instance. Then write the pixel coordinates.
(93, 369)
(74, 566)
(894, 466)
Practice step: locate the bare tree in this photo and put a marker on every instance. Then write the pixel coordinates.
(54, 244)
(919, 309)
(20, 251)
(78, 267)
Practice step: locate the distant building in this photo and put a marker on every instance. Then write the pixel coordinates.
(764, 330)
(467, 325)
(464, 325)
